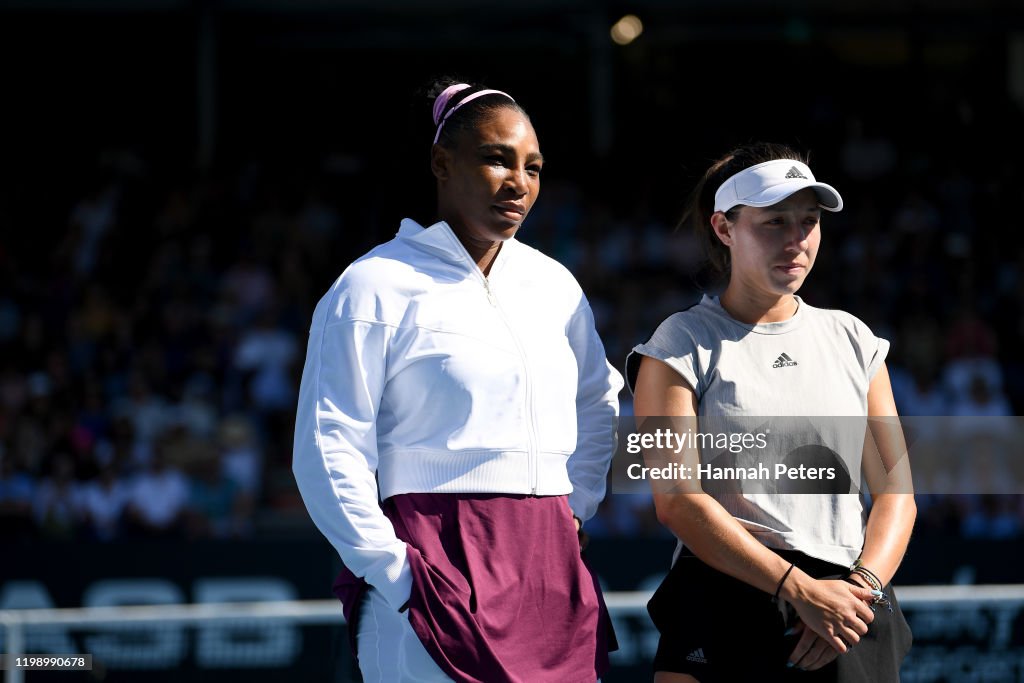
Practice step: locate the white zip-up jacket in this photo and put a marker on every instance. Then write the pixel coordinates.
(423, 376)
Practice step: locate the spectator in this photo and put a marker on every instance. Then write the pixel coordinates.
(217, 507)
(242, 461)
(56, 506)
(17, 491)
(157, 499)
(103, 504)
(266, 354)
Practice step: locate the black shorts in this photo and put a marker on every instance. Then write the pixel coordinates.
(719, 629)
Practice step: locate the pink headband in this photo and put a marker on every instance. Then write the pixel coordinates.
(442, 101)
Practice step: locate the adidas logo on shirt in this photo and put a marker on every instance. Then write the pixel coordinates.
(697, 656)
(784, 361)
(795, 173)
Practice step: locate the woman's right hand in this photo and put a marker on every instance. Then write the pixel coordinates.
(833, 609)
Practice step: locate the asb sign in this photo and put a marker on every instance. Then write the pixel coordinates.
(242, 643)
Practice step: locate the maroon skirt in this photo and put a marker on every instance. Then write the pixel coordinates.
(501, 593)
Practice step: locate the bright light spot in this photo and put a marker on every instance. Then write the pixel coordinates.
(627, 29)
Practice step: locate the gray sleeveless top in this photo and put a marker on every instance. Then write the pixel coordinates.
(809, 376)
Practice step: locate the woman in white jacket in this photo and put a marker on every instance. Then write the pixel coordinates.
(456, 375)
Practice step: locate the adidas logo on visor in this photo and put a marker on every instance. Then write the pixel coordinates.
(795, 173)
(697, 656)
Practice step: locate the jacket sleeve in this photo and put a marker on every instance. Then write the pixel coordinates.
(597, 407)
(335, 451)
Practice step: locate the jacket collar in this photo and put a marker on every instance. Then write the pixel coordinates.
(439, 240)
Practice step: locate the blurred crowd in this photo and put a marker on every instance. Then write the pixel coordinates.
(151, 346)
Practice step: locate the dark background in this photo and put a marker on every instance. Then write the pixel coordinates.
(182, 180)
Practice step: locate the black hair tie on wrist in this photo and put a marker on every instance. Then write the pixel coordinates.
(775, 598)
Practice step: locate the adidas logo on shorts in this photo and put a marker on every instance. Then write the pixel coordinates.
(697, 656)
(784, 361)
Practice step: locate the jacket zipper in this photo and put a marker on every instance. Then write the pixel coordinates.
(528, 385)
(530, 419)
(490, 294)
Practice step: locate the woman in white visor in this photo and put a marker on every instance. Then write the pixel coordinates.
(780, 573)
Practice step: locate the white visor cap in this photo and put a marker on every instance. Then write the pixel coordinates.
(771, 182)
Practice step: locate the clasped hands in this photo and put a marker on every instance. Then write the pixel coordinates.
(831, 619)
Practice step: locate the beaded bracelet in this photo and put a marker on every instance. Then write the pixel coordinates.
(868, 576)
(872, 579)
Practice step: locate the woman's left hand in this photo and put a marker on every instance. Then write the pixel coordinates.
(581, 535)
(811, 652)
